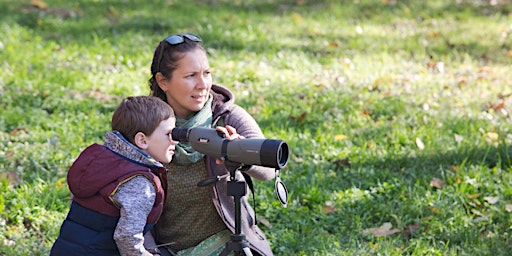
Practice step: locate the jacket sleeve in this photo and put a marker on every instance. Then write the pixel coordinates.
(246, 126)
(136, 198)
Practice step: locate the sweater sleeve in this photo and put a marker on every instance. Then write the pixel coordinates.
(246, 126)
(136, 198)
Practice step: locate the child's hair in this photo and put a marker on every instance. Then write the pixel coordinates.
(140, 114)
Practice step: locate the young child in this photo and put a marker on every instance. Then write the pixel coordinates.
(118, 188)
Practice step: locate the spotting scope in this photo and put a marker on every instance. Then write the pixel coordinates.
(263, 152)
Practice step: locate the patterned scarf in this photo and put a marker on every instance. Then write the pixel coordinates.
(185, 154)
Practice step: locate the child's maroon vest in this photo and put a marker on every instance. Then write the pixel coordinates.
(91, 221)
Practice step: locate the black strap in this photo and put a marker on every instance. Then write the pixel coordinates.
(249, 182)
(224, 150)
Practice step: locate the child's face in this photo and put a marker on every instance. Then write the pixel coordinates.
(160, 144)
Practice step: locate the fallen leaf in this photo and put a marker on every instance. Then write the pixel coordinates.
(328, 209)
(334, 44)
(498, 106)
(340, 137)
(17, 131)
(300, 118)
(383, 230)
(437, 183)
(420, 144)
(11, 177)
(492, 135)
(491, 199)
(436, 66)
(435, 210)
(39, 4)
(454, 168)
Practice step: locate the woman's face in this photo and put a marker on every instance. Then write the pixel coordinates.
(189, 87)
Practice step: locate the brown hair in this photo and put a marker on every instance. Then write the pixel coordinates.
(170, 56)
(140, 114)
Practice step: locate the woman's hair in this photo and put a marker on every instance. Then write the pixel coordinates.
(168, 62)
(140, 114)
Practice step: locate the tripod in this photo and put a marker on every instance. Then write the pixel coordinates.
(236, 188)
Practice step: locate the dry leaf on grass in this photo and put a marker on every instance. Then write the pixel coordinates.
(11, 177)
(491, 199)
(384, 230)
(437, 183)
(328, 209)
(338, 137)
(39, 4)
(420, 144)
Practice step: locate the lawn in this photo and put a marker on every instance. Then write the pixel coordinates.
(397, 113)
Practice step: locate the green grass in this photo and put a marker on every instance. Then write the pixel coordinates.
(375, 98)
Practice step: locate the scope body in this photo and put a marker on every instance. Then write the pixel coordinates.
(263, 152)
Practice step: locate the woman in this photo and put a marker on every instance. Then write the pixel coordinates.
(201, 219)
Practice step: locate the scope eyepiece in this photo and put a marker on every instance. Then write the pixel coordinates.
(180, 134)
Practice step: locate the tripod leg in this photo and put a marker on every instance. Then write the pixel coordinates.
(247, 251)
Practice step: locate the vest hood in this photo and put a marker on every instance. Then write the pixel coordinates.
(90, 172)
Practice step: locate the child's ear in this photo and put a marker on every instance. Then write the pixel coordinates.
(140, 140)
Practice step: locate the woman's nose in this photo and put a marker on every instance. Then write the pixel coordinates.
(202, 82)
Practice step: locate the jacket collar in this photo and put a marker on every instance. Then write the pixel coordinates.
(115, 141)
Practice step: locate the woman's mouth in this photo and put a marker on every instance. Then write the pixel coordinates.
(199, 98)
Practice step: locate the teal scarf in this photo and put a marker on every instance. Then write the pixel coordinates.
(184, 153)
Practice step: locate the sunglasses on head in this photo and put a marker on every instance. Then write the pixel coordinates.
(175, 40)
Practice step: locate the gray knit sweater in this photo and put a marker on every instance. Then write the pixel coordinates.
(135, 198)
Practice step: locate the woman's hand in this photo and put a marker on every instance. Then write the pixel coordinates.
(229, 134)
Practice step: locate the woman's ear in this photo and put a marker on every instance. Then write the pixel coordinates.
(161, 80)
(140, 140)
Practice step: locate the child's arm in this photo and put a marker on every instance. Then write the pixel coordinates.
(136, 198)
